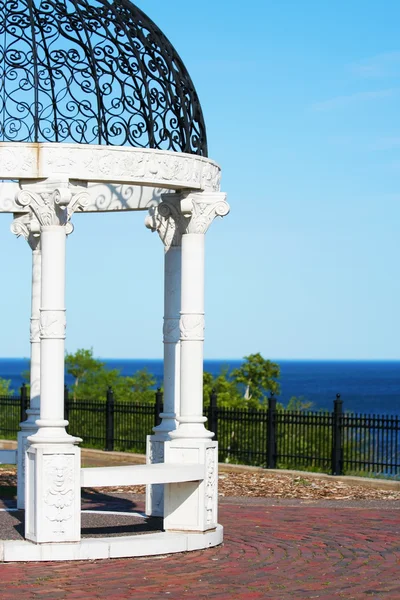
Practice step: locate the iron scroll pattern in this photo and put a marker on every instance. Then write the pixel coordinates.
(94, 72)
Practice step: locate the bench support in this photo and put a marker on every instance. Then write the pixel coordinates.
(192, 506)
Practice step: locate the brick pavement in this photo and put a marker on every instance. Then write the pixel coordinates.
(270, 551)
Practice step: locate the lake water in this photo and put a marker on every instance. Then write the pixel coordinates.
(365, 386)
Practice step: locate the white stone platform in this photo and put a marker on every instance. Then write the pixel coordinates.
(150, 544)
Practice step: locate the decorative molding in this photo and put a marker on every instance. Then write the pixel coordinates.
(191, 327)
(168, 220)
(58, 473)
(211, 486)
(171, 330)
(87, 162)
(52, 324)
(156, 452)
(27, 226)
(202, 209)
(35, 330)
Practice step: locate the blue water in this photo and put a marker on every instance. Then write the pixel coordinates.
(365, 386)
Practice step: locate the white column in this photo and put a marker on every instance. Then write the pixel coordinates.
(28, 227)
(168, 221)
(52, 490)
(171, 339)
(193, 506)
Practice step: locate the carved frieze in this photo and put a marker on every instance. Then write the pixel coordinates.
(192, 327)
(211, 485)
(35, 330)
(52, 324)
(58, 471)
(156, 452)
(159, 168)
(171, 331)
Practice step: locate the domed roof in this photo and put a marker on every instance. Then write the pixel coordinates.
(94, 72)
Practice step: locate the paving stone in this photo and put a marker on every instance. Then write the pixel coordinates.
(286, 552)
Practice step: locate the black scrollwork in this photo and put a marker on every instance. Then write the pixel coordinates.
(93, 72)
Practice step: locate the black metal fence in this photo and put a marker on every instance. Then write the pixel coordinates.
(331, 442)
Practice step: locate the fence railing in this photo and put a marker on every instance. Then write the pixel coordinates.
(330, 442)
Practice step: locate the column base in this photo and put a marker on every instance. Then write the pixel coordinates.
(28, 428)
(52, 493)
(192, 506)
(155, 492)
(191, 428)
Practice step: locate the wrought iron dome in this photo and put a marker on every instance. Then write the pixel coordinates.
(94, 72)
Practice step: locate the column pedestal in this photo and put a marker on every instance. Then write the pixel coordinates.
(192, 506)
(53, 493)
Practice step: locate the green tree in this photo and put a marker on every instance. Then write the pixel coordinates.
(92, 380)
(228, 393)
(142, 386)
(259, 376)
(82, 366)
(298, 404)
(5, 387)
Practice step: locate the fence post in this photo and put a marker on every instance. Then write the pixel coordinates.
(213, 414)
(337, 451)
(271, 433)
(66, 403)
(23, 403)
(158, 407)
(110, 419)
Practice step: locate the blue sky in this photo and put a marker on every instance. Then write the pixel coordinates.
(302, 106)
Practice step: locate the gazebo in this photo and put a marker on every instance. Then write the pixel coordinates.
(98, 113)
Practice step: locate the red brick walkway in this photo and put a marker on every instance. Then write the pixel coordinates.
(270, 552)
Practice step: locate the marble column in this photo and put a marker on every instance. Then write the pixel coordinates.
(191, 441)
(27, 226)
(169, 222)
(52, 487)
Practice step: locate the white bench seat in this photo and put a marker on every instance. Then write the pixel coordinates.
(141, 474)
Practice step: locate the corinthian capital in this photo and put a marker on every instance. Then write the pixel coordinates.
(27, 226)
(168, 220)
(201, 209)
(52, 203)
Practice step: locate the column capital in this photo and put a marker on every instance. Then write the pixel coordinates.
(27, 226)
(53, 202)
(202, 208)
(167, 219)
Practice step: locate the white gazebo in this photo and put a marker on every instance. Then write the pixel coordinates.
(98, 113)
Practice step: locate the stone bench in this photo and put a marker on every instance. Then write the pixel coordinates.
(141, 474)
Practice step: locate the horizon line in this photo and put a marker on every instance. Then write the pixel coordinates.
(27, 358)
